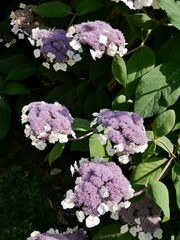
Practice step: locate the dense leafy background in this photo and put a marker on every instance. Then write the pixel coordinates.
(146, 80)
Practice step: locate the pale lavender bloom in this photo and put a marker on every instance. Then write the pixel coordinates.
(46, 122)
(101, 187)
(144, 213)
(100, 37)
(70, 234)
(136, 4)
(49, 236)
(125, 130)
(77, 234)
(54, 46)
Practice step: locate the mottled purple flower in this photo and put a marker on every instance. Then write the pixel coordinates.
(142, 216)
(125, 130)
(70, 234)
(101, 187)
(75, 234)
(24, 20)
(55, 47)
(136, 4)
(100, 37)
(50, 236)
(47, 122)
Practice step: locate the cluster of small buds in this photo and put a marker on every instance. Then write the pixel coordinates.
(47, 122)
(125, 130)
(55, 47)
(51, 234)
(101, 188)
(142, 219)
(100, 37)
(136, 4)
(24, 20)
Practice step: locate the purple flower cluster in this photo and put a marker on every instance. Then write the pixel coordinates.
(143, 217)
(124, 129)
(101, 188)
(24, 20)
(136, 4)
(70, 234)
(47, 122)
(100, 37)
(55, 47)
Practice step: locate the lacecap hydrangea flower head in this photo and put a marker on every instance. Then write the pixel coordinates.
(99, 36)
(125, 130)
(136, 4)
(51, 234)
(24, 20)
(55, 47)
(46, 122)
(100, 188)
(142, 220)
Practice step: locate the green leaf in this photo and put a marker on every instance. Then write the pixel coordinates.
(141, 62)
(88, 6)
(140, 24)
(172, 8)
(7, 64)
(112, 232)
(15, 88)
(5, 118)
(55, 152)
(170, 49)
(22, 71)
(157, 90)
(165, 144)
(140, 20)
(176, 181)
(96, 148)
(81, 124)
(149, 151)
(160, 194)
(164, 123)
(53, 9)
(119, 70)
(147, 171)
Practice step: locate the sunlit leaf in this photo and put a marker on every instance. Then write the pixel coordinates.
(157, 90)
(176, 181)
(119, 70)
(172, 8)
(148, 171)
(55, 152)
(160, 194)
(164, 123)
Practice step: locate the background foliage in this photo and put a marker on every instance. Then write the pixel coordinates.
(146, 80)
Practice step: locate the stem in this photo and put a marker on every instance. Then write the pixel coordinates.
(72, 20)
(165, 168)
(158, 178)
(82, 137)
(172, 154)
(141, 45)
(140, 192)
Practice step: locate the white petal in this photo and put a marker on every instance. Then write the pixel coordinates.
(80, 216)
(102, 209)
(92, 221)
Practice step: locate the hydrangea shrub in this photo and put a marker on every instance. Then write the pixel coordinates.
(99, 81)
